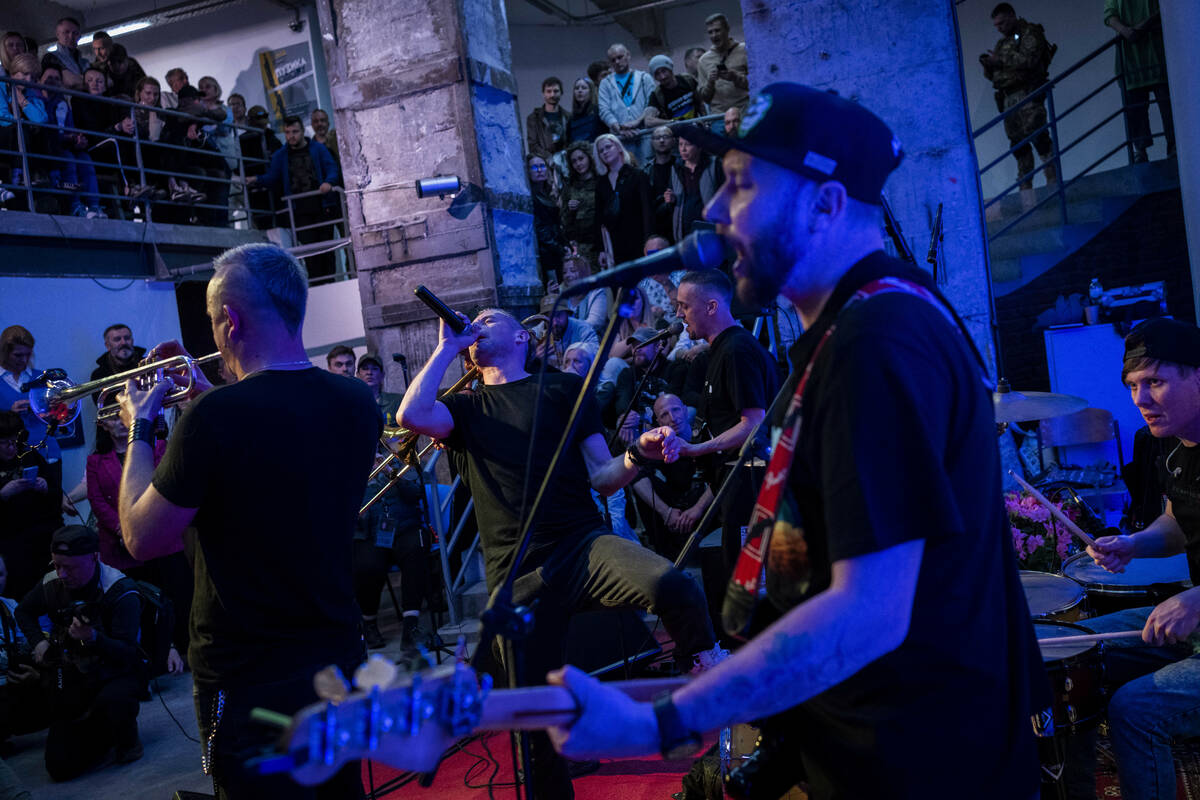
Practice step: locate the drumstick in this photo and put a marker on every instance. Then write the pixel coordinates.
(1058, 515)
(1090, 637)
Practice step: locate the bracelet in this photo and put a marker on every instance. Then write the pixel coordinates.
(636, 456)
(142, 430)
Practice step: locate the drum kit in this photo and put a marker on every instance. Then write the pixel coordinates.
(1060, 605)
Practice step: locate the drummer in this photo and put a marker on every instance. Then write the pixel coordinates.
(1159, 694)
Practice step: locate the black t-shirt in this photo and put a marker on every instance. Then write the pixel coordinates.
(740, 375)
(1183, 490)
(898, 444)
(276, 520)
(489, 443)
(679, 102)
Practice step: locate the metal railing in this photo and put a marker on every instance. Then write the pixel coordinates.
(441, 506)
(124, 155)
(1045, 93)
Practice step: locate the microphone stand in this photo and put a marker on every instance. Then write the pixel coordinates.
(637, 392)
(502, 619)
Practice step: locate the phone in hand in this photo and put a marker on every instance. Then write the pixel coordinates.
(30, 473)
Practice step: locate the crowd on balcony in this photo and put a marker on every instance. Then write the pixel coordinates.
(184, 150)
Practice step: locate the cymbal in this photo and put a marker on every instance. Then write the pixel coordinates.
(1012, 406)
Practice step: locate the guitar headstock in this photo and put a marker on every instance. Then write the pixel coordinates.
(407, 724)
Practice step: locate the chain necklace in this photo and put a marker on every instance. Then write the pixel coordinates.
(281, 365)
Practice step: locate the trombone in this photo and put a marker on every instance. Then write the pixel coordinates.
(55, 398)
(401, 444)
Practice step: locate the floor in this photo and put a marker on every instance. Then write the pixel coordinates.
(172, 760)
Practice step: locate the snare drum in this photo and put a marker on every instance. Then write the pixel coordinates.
(1076, 676)
(1145, 581)
(1052, 596)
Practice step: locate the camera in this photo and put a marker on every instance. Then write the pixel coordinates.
(84, 611)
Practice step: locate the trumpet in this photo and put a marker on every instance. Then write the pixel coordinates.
(400, 442)
(55, 399)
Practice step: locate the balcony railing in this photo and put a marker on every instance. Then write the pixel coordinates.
(135, 175)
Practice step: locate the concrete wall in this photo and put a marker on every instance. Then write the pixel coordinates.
(542, 46)
(1077, 28)
(913, 84)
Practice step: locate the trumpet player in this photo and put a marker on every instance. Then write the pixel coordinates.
(274, 597)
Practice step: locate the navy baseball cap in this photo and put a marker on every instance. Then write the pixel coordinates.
(1164, 339)
(814, 133)
(75, 540)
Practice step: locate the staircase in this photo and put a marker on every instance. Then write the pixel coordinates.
(1041, 240)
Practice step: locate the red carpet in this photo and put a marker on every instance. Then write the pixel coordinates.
(637, 779)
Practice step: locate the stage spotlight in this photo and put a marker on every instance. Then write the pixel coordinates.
(440, 185)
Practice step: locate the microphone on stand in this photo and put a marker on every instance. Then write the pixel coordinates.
(674, 329)
(700, 250)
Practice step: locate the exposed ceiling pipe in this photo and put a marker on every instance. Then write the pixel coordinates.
(168, 14)
(600, 17)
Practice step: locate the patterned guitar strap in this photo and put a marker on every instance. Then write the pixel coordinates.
(775, 535)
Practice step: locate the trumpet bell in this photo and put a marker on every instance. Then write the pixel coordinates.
(48, 403)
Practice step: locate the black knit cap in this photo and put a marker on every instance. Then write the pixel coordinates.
(815, 133)
(74, 540)
(1163, 339)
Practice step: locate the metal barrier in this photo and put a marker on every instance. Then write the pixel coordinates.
(1045, 93)
(337, 240)
(452, 582)
(121, 154)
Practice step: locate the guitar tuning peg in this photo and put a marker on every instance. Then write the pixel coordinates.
(331, 685)
(376, 671)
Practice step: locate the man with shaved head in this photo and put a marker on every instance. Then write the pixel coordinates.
(574, 561)
(624, 96)
(274, 516)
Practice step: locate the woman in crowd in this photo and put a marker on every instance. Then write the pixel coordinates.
(695, 178)
(592, 307)
(546, 224)
(624, 215)
(169, 573)
(23, 67)
(579, 201)
(72, 170)
(30, 506)
(585, 124)
(11, 46)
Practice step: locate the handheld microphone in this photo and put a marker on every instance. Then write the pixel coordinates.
(441, 309)
(674, 329)
(700, 250)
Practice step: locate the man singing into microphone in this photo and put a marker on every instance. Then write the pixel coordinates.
(574, 563)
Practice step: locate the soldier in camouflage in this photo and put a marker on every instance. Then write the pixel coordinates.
(1017, 66)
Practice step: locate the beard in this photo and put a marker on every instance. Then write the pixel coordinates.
(771, 259)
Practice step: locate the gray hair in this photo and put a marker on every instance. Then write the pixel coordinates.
(265, 277)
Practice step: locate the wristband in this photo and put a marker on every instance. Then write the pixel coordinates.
(142, 430)
(636, 456)
(674, 739)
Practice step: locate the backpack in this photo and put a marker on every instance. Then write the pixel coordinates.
(157, 627)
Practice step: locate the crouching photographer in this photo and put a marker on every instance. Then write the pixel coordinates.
(89, 674)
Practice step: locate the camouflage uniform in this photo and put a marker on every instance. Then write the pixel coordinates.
(579, 226)
(1024, 58)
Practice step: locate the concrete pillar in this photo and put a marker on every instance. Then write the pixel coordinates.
(1181, 31)
(902, 61)
(423, 88)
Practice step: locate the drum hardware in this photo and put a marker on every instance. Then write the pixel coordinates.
(54, 398)
(1052, 597)
(401, 444)
(1014, 406)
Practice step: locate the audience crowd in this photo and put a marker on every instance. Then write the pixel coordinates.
(176, 150)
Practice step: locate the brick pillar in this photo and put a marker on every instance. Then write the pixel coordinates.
(423, 88)
(1181, 27)
(902, 61)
